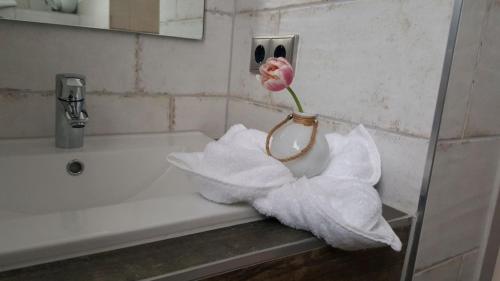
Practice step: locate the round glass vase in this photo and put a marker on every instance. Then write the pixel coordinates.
(299, 145)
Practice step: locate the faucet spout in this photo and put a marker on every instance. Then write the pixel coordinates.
(75, 114)
(71, 115)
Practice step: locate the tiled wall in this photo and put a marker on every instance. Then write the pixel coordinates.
(468, 152)
(136, 83)
(373, 62)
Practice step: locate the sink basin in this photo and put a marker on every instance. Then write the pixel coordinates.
(126, 194)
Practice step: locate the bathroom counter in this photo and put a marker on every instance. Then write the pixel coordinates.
(256, 250)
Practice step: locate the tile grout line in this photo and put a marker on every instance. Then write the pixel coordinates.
(28, 92)
(138, 83)
(171, 114)
(471, 138)
(440, 263)
(329, 118)
(294, 6)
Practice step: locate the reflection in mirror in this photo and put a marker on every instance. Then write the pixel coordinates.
(179, 18)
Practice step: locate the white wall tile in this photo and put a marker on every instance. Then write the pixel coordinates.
(468, 267)
(464, 65)
(485, 99)
(205, 114)
(178, 66)
(462, 179)
(374, 62)
(26, 114)
(32, 54)
(446, 271)
(403, 161)
(117, 114)
(254, 116)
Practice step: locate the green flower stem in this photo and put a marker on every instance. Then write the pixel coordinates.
(296, 99)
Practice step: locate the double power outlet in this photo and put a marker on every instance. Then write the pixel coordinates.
(264, 47)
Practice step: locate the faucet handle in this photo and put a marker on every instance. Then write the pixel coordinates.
(70, 87)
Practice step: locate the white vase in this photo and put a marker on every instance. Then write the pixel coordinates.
(291, 140)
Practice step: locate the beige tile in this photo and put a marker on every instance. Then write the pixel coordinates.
(382, 69)
(483, 119)
(468, 267)
(178, 66)
(117, 114)
(254, 116)
(205, 114)
(32, 54)
(243, 83)
(26, 115)
(484, 104)
(464, 64)
(462, 179)
(446, 271)
(403, 161)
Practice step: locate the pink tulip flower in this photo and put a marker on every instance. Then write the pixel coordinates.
(276, 75)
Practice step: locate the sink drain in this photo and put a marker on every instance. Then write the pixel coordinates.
(75, 167)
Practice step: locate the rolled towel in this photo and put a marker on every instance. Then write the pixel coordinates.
(340, 205)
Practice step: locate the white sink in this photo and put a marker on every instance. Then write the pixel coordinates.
(127, 194)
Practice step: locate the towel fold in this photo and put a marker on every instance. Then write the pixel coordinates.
(340, 205)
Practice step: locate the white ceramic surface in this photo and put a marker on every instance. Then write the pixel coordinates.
(292, 138)
(127, 194)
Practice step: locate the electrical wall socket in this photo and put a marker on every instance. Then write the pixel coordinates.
(264, 47)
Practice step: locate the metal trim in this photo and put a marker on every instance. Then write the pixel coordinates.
(411, 254)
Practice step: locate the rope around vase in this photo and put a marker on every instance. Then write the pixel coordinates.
(300, 120)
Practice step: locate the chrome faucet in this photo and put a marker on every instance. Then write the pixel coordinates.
(71, 116)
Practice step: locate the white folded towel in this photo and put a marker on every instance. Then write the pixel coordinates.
(340, 205)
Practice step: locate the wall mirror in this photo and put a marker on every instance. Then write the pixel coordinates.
(177, 18)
